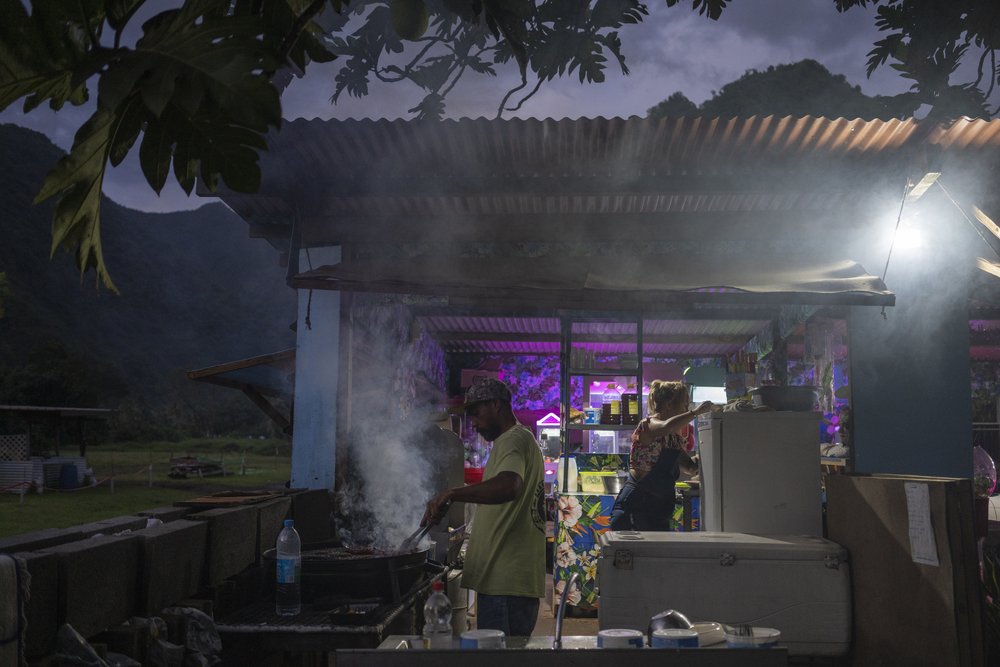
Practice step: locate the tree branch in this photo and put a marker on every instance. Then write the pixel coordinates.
(95, 43)
(125, 20)
(528, 96)
(993, 78)
(503, 102)
(300, 24)
(404, 72)
(982, 59)
(453, 81)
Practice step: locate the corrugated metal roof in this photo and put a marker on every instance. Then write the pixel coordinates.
(376, 168)
(550, 148)
(539, 335)
(436, 324)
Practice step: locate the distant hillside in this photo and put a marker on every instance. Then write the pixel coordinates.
(195, 290)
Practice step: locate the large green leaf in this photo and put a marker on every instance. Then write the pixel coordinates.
(155, 153)
(220, 61)
(711, 8)
(77, 178)
(34, 64)
(120, 11)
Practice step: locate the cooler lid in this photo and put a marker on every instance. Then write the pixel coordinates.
(708, 544)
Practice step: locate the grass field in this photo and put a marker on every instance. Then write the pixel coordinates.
(250, 464)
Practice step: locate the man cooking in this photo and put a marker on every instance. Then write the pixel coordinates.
(505, 559)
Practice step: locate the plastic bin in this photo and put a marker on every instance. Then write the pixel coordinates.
(68, 478)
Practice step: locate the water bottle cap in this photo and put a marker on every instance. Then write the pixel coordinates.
(289, 523)
(438, 585)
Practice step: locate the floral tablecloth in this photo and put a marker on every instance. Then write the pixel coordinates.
(580, 519)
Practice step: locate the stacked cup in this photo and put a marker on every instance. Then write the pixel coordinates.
(620, 638)
(675, 638)
(482, 639)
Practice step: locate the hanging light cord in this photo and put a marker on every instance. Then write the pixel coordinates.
(309, 302)
(895, 232)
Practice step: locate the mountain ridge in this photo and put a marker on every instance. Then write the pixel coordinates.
(195, 289)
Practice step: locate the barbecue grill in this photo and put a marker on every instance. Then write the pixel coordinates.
(253, 632)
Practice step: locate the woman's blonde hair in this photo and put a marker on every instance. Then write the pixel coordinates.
(663, 393)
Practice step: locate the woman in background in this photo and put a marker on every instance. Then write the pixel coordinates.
(646, 502)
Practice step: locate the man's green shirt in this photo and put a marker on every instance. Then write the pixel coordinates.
(506, 553)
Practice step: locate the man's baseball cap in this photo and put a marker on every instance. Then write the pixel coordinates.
(487, 389)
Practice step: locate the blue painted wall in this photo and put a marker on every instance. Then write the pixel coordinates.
(910, 387)
(317, 372)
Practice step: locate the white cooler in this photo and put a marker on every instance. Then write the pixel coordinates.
(799, 584)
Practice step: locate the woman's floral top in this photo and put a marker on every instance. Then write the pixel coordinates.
(643, 457)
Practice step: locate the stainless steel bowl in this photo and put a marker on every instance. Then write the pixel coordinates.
(613, 483)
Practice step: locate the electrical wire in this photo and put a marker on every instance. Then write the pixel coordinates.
(309, 301)
(972, 223)
(895, 232)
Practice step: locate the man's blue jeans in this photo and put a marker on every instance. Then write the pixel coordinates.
(514, 615)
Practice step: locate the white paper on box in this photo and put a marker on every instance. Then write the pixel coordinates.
(923, 548)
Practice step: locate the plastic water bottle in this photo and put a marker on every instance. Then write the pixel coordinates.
(288, 594)
(437, 618)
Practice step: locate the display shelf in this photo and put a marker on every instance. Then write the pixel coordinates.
(584, 338)
(591, 372)
(601, 427)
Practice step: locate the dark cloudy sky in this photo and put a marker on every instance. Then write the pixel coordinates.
(672, 50)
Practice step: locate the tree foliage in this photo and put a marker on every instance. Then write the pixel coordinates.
(53, 375)
(197, 92)
(805, 88)
(546, 39)
(196, 86)
(926, 41)
(677, 104)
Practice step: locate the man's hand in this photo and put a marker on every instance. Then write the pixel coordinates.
(436, 508)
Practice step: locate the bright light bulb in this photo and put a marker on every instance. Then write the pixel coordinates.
(910, 239)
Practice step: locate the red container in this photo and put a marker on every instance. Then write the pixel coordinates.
(473, 475)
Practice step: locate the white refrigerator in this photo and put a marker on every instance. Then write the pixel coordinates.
(760, 473)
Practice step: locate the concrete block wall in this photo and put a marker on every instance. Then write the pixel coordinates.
(39, 539)
(232, 541)
(42, 607)
(173, 564)
(270, 520)
(165, 514)
(111, 526)
(97, 583)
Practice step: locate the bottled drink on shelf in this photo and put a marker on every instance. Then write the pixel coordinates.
(611, 405)
(437, 618)
(631, 414)
(288, 594)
